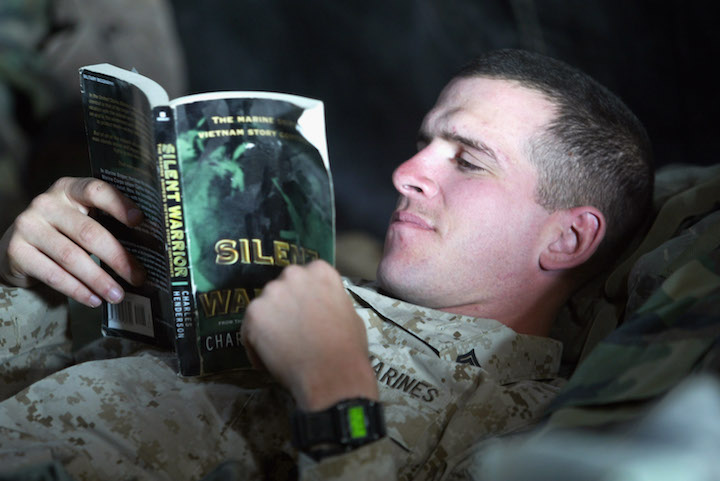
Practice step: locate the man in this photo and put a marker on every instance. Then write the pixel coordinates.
(528, 176)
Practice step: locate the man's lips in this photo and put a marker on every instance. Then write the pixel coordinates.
(411, 220)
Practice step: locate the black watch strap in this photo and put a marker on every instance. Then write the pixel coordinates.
(345, 426)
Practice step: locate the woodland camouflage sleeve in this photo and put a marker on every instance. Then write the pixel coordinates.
(651, 386)
(675, 332)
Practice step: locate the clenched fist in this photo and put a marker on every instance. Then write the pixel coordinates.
(304, 330)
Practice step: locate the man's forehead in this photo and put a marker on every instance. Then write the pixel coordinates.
(477, 103)
(496, 89)
(497, 95)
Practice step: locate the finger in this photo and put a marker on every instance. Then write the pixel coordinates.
(90, 192)
(94, 238)
(9, 274)
(255, 360)
(34, 233)
(44, 269)
(70, 259)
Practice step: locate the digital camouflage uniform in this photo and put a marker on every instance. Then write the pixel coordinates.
(446, 382)
(115, 409)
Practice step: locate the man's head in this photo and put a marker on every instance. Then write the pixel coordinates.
(485, 224)
(594, 152)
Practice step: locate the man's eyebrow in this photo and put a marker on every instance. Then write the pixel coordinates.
(475, 144)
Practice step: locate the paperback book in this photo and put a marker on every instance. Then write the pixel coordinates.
(234, 186)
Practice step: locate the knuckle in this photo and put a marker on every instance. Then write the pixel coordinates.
(79, 292)
(23, 224)
(325, 272)
(90, 231)
(94, 188)
(42, 202)
(53, 278)
(118, 258)
(319, 266)
(67, 255)
(293, 271)
(86, 190)
(17, 261)
(15, 249)
(273, 289)
(100, 279)
(259, 307)
(61, 184)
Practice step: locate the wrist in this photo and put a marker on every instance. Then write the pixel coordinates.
(321, 390)
(340, 428)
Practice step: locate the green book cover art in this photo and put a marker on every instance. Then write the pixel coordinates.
(257, 196)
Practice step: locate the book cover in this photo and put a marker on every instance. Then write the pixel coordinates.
(234, 185)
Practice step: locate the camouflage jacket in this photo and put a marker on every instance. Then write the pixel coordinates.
(671, 326)
(116, 409)
(644, 401)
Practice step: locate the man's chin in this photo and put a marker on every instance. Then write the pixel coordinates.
(385, 279)
(381, 276)
(395, 283)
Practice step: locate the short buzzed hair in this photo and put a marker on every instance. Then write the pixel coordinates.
(594, 151)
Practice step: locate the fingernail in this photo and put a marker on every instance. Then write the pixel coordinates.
(135, 216)
(115, 295)
(94, 301)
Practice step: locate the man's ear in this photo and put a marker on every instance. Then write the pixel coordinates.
(574, 236)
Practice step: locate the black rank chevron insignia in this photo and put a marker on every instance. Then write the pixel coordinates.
(468, 358)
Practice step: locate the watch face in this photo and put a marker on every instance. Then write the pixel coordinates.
(357, 422)
(342, 427)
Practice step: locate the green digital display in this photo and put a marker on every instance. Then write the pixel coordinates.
(356, 418)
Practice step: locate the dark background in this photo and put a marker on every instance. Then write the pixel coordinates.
(378, 66)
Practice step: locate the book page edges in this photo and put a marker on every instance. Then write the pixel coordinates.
(311, 123)
(154, 92)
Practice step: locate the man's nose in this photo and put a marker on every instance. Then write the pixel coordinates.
(416, 176)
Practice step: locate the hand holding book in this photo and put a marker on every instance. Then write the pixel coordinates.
(234, 187)
(311, 340)
(51, 242)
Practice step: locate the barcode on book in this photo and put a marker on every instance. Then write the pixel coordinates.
(133, 314)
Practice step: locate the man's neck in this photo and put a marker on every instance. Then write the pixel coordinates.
(528, 313)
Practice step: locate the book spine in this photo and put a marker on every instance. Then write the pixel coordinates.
(183, 295)
(118, 123)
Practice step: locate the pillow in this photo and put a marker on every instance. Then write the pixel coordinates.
(684, 195)
(666, 298)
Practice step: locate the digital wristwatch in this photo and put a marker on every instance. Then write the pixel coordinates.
(347, 425)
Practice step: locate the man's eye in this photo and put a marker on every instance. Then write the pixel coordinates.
(467, 166)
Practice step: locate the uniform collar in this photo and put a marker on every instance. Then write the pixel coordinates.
(507, 355)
